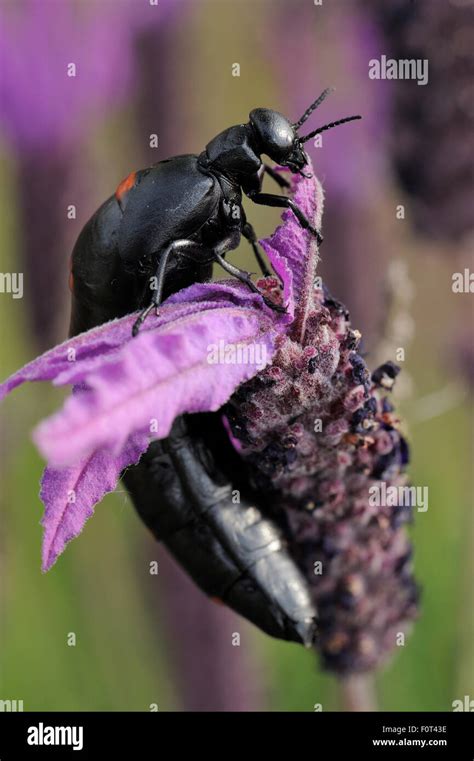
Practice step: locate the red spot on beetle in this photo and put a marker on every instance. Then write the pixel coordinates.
(217, 600)
(126, 185)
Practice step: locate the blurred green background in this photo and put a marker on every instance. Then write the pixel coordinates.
(144, 639)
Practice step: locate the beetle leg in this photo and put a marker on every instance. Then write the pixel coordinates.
(177, 246)
(249, 233)
(269, 199)
(141, 319)
(245, 277)
(279, 179)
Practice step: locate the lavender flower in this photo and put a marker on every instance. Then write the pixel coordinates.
(122, 385)
(319, 435)
(432, 131)
(314, 480)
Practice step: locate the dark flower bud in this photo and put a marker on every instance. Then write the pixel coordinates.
(384, 376)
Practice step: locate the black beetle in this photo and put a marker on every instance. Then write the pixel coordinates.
(171, 222)
(183, 492)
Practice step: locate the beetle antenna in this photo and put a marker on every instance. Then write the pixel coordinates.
(328, 126)
(313, 107)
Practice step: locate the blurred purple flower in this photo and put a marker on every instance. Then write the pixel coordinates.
(335, 44)
(45, 116)
(197, 632)
(339, 39)
(432, 127)
(43, 106)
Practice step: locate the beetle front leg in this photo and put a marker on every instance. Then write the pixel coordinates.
(249, 233)
(277, 177)
(269, 199)
(178, 246)
(245, 277)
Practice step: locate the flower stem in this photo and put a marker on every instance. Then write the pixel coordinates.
(357, 693)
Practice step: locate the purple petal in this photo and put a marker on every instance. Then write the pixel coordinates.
(292, 251)
(156, 377)
(97, 342)
(70, 361)
(69, 494)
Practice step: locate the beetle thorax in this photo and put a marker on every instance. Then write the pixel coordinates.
(232, 153)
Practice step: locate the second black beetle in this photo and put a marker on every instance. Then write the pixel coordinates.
(169, 223)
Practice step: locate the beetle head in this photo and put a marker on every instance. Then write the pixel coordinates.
(279, 138)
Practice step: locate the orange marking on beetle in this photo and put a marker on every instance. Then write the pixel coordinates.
(126, 185)
(217, 600)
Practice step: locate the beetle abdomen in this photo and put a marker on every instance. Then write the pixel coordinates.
(101, 288)
(171, 200)
(230, 549)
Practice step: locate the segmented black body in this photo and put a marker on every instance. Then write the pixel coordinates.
(230, 549)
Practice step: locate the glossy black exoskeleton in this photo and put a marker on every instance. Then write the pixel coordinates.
(165, 226)
(170, 223)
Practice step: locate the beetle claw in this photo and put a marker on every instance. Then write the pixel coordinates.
(272, 305)
(140, 320)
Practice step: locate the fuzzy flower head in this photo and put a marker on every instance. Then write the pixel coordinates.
(323, 448)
